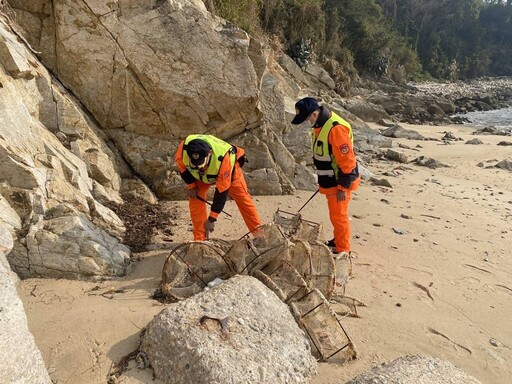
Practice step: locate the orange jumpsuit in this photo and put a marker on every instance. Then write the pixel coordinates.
(344, 155)
(228, 179)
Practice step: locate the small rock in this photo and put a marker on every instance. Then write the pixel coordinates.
(215, 282)
(495, 343)
(475, 141)
(399, 231)
(381, 182)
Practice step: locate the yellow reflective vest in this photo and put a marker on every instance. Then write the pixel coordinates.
(326, 166)
(219, 147)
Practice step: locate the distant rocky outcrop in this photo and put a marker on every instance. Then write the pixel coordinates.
(473, 95)
(428, 102)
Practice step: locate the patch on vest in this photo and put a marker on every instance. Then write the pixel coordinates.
(225, 175)
(344, 149)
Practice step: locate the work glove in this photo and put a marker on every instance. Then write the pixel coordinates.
(209, 226)
(192, 193)
(340, 195)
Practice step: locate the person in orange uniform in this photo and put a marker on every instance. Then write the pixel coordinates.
(335, 162)
(203, 161)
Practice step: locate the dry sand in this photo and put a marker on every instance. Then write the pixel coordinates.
(443, 288)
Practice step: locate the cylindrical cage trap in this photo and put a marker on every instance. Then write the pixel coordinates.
(191, 266)
(295, 227)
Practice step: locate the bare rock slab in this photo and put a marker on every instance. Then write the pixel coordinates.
(414, 369)
(236, 332)
(21, 360)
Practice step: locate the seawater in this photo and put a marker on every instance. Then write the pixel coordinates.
(499, 118)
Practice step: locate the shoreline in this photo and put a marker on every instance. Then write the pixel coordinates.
(481, 119)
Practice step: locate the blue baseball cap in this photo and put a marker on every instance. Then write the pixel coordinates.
(198, 150)
(303, 108)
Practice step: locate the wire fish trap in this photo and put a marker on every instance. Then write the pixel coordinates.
(326, 335)
(257, 249)
(284, 280)
(343, 269)
(295, 227)
(314, 262)
(191, 266)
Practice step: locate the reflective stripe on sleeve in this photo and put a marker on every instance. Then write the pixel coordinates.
(327, 172)
(321, 158)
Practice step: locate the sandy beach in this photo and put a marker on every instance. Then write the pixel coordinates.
(432, 263)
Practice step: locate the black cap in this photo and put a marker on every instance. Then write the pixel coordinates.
(197, 150)
(304, 107)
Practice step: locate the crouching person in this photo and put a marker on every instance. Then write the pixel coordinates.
(204, 161)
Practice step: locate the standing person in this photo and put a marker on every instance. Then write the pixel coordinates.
(335, 161)
(203, 161)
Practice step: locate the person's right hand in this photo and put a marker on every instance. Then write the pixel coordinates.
(192, 193)
(209, 227)
(340, 195)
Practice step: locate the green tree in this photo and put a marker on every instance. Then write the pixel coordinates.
(496, 20)
(243, 13)
(444, 38)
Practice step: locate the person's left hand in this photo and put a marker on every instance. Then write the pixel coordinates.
(209, 226)
(340, 195)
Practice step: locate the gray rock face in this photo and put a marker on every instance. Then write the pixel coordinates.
(366, 110)
(69, 245)
(21, 359)
(237, 332)
(8, 216)
(414, 369)
(6, 242)
(51, 157)
(150, 72)
(319, 76)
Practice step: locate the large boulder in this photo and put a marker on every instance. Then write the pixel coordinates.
(67, 244)
(22, 362)
(236, 332)
(151, 72)
(414, 369)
